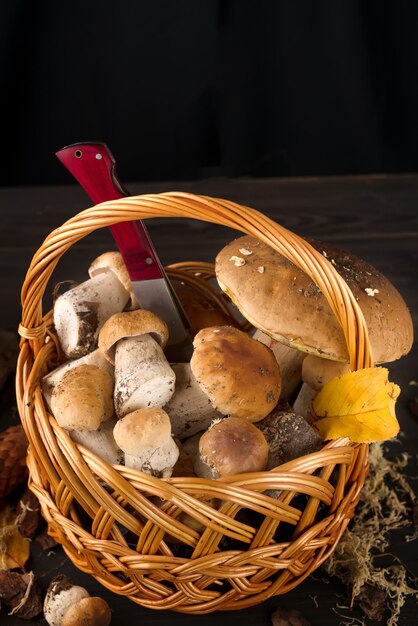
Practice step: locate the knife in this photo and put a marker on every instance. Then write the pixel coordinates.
(94, 167)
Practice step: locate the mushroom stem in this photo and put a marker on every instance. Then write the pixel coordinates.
(290, 361)
(143, 376)
(101, 442)
(189, 408)
(316, 372)
(156, 461)
(81, 312)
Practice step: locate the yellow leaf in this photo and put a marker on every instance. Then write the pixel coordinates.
(14, 548)
(359, 405)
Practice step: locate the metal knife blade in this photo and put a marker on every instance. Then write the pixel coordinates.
(94, 167)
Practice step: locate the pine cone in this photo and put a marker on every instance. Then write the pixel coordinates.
(13, 470)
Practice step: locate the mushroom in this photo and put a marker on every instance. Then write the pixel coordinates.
(53, 378)
(82, 404)
(316, 372)
(288, 435)
(145, 437)
(80, 312)
(231, 446)
(189, 408)
(283, 302)
(113, 262)
(67, 604)
(134, 342)
(240, 376)
(289, 359)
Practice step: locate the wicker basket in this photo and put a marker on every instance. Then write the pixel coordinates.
(126, 528)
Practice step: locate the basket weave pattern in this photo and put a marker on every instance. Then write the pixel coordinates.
(187, 544)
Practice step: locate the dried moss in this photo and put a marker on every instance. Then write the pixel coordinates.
(385, 505)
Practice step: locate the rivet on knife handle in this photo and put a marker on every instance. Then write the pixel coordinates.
(94, 167)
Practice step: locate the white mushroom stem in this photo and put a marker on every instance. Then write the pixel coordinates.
(81, 312)
(52, 379)
(189, 408)
(61, 595)
(145, 437)
(290, 361)
(316, 372)
(101, 442)
(143, 376)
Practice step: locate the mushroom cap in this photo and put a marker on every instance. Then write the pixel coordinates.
(234, 446)
(113, 262)
(240, 375)
(201, 311)
(88, 612)
(61, 595)
(131, 324)
(142, 429)
(282, 301)
(83, 398)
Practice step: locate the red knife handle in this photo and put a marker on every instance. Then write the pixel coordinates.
(94, 167)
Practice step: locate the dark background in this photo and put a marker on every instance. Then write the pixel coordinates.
(188, 89)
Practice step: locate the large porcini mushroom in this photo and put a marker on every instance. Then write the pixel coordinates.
(113, 262)
(80, 312)
(283, 302)
(240, 375)
(82, 403)
(145, 437)
(231, 446)
(134, 342)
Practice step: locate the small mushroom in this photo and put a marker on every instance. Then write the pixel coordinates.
(134, 342)
(316, 372)
(82, 404)
(240, 376)
(67, 604)
(145, 437)
(189, 408)
(113, 262)
(53, 378)
(231, 446)
(80, 312)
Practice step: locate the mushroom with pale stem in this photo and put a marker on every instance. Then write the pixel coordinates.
(67, 604)
(80, 312)
(283, 302)
(113, 262)
(189, 408)
(231, 446)
(240, 376)
(53, 378)
(82, 404)
(145, 437)
(134, 342)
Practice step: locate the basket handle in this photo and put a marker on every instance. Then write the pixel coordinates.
(213, 210)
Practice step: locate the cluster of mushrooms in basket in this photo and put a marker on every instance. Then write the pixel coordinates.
(243, 403)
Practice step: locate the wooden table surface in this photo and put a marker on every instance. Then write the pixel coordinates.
(376, 217)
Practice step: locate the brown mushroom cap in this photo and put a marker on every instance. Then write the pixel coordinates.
(131, 324)
(83, 398)
(282, 301)
(142, 429)
(240, 375)
(88, 612)
(233, 446)
(113, 262)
